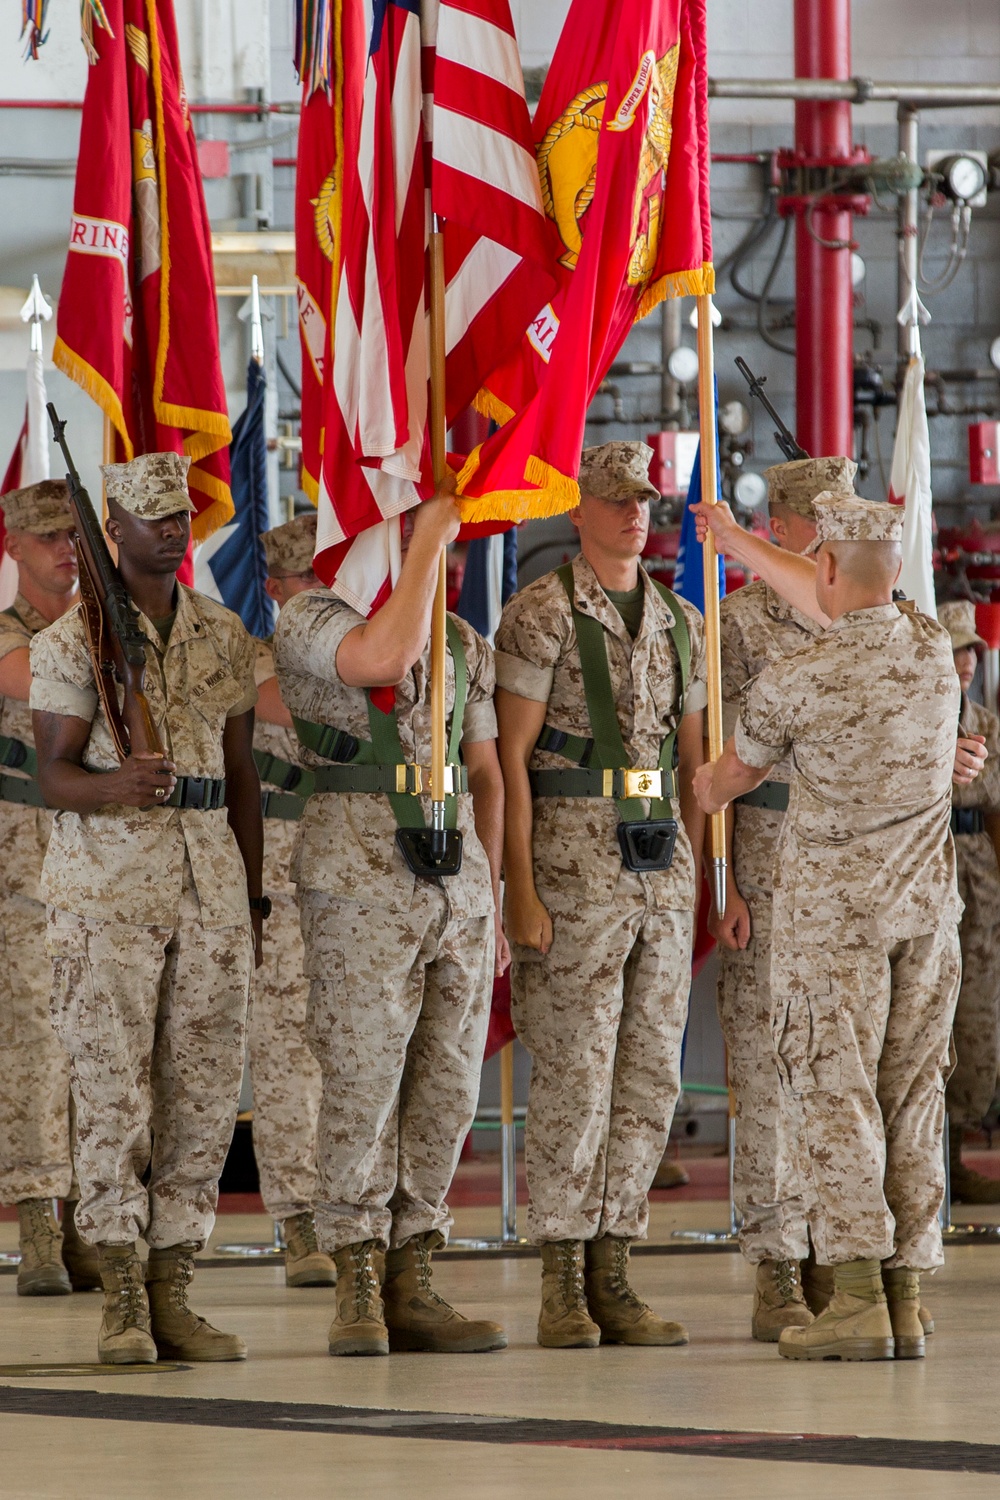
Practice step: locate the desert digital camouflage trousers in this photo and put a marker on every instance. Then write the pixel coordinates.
(35, 1104)
(154, 1020)
(863, 1046)
(763, 1168)
(977, 1016)
(286, 1078)
(602, 1014)
(398, 1012)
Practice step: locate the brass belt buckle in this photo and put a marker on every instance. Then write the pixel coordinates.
(640, 783)
(410, 779)
(449, 780)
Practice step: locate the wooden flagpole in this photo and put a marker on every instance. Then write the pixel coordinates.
(709, 489)
(439, 463)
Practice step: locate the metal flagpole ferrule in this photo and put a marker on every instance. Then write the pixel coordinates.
(256, 326)
(709, 496)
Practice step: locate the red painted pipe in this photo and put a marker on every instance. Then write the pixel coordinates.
(196, 109)
(823, 295)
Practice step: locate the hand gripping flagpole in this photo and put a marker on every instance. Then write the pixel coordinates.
(709, 494)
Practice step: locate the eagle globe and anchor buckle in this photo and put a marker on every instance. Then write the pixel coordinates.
(647, 844)
(429, 851)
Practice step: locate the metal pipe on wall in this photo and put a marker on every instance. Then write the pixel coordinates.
(824, 303)
(907, 219)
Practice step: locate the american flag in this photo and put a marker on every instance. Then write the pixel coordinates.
(434, 119)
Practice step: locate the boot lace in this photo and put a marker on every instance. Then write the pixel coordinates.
(571, 1279)
(366, 1283)
(129, 1295)
(42, 1227)
(424, 1275)
(180, 1282)
(619, 1276)
(306, 1235)
(786, 1279)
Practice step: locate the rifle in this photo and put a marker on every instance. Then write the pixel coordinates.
(783, 436)
(116, 640)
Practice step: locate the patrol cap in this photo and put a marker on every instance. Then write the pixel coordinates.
(289, 549)
(617, 471)
(38, 508)
(848, 518)
(797, 483)
(151, 486)
(958, 616)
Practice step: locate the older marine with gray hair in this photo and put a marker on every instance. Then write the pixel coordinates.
(865, 958)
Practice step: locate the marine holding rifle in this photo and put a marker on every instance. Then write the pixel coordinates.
(401, 937)
(600, 675)
(36, 1163)
(147, 877)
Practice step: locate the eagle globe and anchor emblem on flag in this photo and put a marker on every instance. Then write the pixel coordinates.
(567, 160)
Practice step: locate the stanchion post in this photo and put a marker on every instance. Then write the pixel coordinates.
(709, 495)
(508, 1148)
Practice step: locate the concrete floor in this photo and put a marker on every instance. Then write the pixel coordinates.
(244, 1430)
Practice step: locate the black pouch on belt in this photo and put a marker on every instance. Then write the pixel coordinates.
(648, 843)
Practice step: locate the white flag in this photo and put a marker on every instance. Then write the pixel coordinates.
(910, 486)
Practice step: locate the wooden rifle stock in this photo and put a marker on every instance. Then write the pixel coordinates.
(116, 639)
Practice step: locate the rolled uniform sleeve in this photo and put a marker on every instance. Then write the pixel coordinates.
(696, 696)
(62, 678)
(527, 651)
(480, 721)
(307, 639)
(764, 727)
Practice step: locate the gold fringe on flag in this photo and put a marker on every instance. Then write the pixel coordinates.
(555, 493)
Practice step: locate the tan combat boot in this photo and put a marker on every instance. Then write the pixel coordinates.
(178, 1332)
(564, 1322)
(417, 1318)
(856, 1324)
(124, 1338)
(778, 1301)
(41, 1272)
(82, 1262)
(615, 1307)
(902, 1293)
(817, 1286)
(359, 1327)
(305, 1262)
(968, 1186)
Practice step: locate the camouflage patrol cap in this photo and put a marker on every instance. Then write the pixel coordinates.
(289, 549)
(617, 471)
(151, 486)
(848, 518)
(38, 508)
(797, 483)
(958, 616)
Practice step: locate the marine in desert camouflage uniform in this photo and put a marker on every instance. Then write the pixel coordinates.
(35, 1105)
(976, 828)
(400, 966)
(865, 958)
(602, 953)
(286, 1078)
(759, 627)
(149, 931)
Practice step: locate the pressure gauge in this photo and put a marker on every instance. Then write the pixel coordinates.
(750, 490)
(682, 365)
(734, 418)
(964, 178)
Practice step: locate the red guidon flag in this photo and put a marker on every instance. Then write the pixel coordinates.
(137, 322)
(429, 106)
(621, 134)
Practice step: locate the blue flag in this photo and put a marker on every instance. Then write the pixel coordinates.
(689, 574)
(230, 566)
(489, 580)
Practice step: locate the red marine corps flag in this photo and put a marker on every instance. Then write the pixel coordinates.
(621, 134)
(137, 321)
(429, 114)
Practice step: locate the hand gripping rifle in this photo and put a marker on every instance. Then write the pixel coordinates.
(116, 639)
(783, 436)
